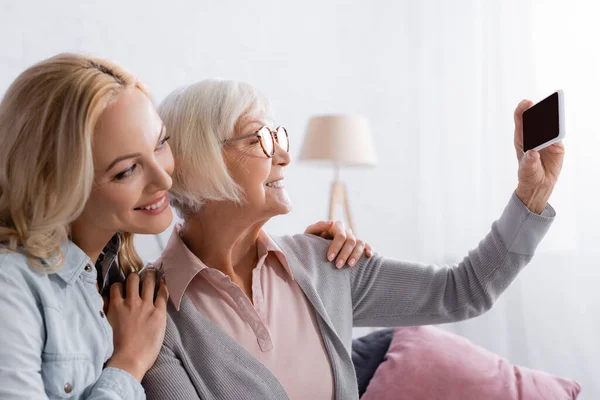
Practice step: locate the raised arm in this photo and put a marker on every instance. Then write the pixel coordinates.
(388, 292)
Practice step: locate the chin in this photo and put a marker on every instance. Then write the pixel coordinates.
(153, 224)
(280, 205)
(283, 209)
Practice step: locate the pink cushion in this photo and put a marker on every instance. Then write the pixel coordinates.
(429, 363)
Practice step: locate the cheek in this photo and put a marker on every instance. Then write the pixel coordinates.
(251, 174)
(111, 201)
(258, 175)
(167, 161)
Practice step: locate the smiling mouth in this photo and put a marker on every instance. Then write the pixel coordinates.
(275, 184)
(157, 204)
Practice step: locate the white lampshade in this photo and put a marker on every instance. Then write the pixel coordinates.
(344, 140)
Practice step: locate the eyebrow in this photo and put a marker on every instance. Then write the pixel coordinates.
(134, 155)
(256, 122)
(119, 159)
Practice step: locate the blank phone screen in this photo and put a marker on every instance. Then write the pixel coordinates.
(541, 123)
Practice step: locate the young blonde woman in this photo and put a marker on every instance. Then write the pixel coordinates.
(254, 316)
(84, 164)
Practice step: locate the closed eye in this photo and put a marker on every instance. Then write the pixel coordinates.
(162, 143)
(125, 174)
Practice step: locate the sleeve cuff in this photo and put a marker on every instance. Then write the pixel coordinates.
(520, 230)
(122, 383)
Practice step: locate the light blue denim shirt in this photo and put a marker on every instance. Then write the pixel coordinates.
(54, 337)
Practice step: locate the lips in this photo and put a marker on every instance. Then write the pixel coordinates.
(154, 204)
(275, 184)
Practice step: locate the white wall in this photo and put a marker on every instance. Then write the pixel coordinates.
(405, 64)
(309, 57)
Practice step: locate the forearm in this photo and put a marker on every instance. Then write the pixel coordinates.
(389, 292)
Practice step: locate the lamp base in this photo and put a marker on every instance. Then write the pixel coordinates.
(339, 196)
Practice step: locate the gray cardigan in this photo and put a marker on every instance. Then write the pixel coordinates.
(199, 360)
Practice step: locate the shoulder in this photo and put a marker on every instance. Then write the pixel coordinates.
(307, 257)
(19, 281)
(306, 247)
(15, 267)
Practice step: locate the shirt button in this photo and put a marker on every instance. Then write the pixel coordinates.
(88, 268)
(68, 388)
(101, 314)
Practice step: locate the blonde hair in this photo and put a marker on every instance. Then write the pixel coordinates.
(47, 119)
(198, 118)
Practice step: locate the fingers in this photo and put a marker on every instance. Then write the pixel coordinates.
(344, 246)
(148, 285)
(162, 296)
(518, 117)
(521, 108)
(339, 238)
(368, 250)
(531, 173)
(532, 156)
(555, 148)
(346, 249)
(116, 293)
(336, 228)
(529, 160)
(133, 286)
(357, 253)
(319, 228)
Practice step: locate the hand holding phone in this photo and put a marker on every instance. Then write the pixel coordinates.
(539, 127)
(544, 123)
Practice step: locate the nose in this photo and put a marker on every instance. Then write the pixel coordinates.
(281, 156)
(160, 175)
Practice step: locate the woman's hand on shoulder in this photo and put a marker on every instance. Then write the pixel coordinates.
(345, 247)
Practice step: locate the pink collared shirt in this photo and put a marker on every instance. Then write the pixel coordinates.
(278, 327)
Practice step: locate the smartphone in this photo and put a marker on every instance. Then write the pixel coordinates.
(544, 123)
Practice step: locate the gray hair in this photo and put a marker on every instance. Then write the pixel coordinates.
(199, 117)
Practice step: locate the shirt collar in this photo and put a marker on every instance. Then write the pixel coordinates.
(267, 245)
(76, 260)
(179, 265)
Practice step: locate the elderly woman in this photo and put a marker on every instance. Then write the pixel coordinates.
(254, 316)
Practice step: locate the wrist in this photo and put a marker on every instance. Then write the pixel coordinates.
(535, 199)
(129, 365)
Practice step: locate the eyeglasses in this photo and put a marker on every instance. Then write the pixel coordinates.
(267, 139)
